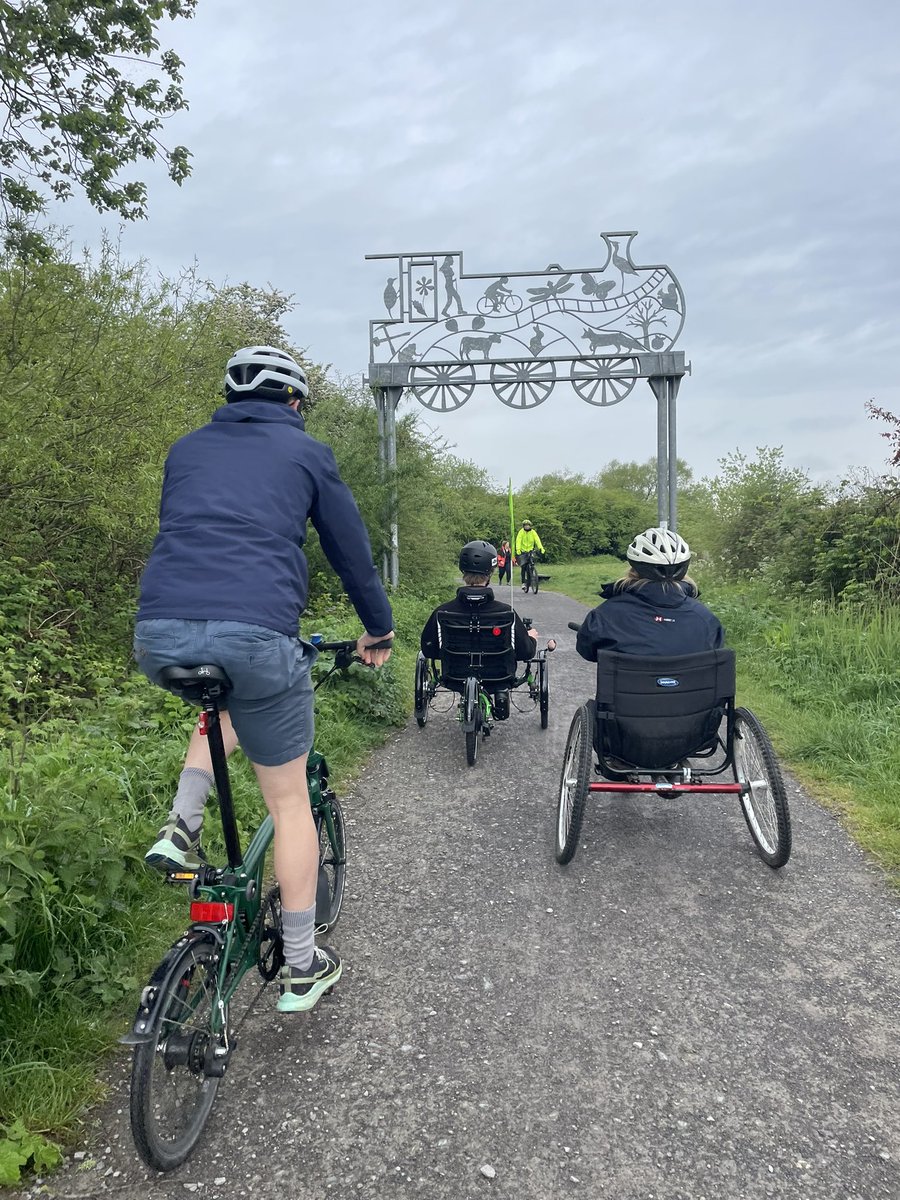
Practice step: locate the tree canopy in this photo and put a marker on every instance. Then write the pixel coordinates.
(84, 88)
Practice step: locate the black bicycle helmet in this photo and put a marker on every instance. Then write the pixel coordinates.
(477, 558)
(264, 373)
(659, 554)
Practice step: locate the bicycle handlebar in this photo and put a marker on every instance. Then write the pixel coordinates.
(574, 625)
(347, 644)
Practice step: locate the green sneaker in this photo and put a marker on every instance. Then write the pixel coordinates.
(301, 990)
(176, 849)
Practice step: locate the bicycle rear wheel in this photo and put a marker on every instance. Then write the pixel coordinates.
(172, 1087)
(332, 866)
(765, 806)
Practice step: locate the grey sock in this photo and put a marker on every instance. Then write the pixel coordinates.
(194, 786)
(299, 928)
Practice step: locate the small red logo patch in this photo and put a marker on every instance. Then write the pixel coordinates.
(496, 631)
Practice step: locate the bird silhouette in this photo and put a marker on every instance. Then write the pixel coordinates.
(622, 265)
(536, 342)
(390, 296)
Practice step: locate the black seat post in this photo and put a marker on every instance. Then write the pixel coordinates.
(223, 783)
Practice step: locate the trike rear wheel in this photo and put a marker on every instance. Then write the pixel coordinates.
(765, 804)
(573, 783)
(421, 696)
(544, 684)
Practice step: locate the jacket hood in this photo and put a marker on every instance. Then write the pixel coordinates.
(259, 410)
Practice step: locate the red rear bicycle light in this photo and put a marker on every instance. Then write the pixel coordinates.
(211, 911)
(203, 724)
(496, 631)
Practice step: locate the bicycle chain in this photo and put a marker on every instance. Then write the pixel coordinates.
(253, 942)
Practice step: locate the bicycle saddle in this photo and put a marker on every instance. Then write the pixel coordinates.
(196, 684)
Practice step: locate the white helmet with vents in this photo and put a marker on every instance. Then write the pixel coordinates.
(659, 554)
(264, 373)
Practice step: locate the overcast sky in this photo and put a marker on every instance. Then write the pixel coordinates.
(755, 146)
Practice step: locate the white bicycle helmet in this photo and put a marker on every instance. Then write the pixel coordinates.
(659, 554)
(264, 373)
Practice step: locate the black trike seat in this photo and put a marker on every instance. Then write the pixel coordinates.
(196, 684)
(477, 644)
(654, 712)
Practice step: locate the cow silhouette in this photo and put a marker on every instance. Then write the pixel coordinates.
(481, 344)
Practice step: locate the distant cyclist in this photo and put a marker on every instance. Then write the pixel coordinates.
(225, 584)
(653, 609)
(527, 541)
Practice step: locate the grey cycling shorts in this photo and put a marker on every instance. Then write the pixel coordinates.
(271, 703)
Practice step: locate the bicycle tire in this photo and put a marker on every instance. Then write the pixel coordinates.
(176, 1053)
(573, 783)
(421, 690)
(332, 867)
(535, 579)
(544, 684)
(765, 806)
(471, 748)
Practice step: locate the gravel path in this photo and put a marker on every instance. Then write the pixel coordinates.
(665, 1018)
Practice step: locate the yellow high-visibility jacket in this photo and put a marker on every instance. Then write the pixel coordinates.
(527, 539)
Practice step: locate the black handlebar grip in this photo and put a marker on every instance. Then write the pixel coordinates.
(574, 625)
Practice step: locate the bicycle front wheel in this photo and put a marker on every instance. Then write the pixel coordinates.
(535, 580)
(172, 1085)
(332, 866)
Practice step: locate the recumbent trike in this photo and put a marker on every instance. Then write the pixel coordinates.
(478, 663)
(656, 725)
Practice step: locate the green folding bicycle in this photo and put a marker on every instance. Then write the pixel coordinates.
(183, 1034)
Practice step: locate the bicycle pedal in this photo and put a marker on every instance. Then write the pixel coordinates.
(178, 878)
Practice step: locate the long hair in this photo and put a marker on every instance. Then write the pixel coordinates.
(632, 582)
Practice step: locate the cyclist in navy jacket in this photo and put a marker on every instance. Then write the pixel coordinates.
(653, 609)
(226, 583)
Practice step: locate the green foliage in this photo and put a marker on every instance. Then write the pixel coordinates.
(104, 366)
(20, 1148)
(580, 519)
(75, 114)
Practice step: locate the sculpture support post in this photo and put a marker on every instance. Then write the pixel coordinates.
(392, 397)
(382, 475)
(663, 500)
(672, 382)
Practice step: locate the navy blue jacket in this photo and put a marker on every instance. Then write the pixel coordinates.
(236, 496)
(650, 620)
